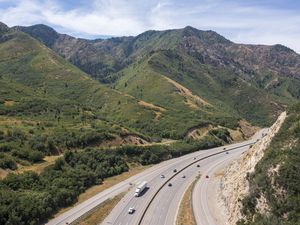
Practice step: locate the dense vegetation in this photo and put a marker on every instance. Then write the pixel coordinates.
(277, 178)
(30, 198)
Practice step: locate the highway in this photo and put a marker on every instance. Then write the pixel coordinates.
(160, 203)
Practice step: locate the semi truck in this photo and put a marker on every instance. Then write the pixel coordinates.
(140, 188)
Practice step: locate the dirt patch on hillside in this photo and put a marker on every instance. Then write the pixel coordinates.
(198, 133)
(9, 103)
(247, 129)
(151, 106)
(157, 109)
(39, 167)
(3, 173)
(129, 139)
(194, 101)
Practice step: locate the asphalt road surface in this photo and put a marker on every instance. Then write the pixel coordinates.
(161, 207)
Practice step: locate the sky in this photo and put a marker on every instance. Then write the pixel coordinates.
(241, 21)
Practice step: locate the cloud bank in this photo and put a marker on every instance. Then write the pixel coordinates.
(261, 21)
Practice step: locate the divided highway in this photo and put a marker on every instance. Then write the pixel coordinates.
(160, 203)
(164, 206)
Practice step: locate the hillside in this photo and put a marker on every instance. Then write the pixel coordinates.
(274, 185)
(47, 105)
(211, 89)
(255, 82)
(262, 186)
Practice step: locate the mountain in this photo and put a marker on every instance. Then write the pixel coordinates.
(64, 95)
(48, 106)
(254, 82)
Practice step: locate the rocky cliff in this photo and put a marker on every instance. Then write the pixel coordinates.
(234, 185)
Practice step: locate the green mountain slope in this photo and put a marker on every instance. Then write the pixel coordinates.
(277, 179)
(254, 82)
(213, 90)
(47, 105)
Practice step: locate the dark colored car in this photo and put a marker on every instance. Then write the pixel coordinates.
(207, 176)
(198, 165)
(170, 185)
(174, 170)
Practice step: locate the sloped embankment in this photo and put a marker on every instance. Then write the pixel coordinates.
(234, 185)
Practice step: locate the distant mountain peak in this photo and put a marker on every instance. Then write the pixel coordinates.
(208, 35)
(47, 35)
(281, 48)
(3, 27)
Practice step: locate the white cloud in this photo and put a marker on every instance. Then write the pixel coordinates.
(237, 21)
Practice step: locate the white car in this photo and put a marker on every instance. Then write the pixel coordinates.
(162, 176)
(131, 210)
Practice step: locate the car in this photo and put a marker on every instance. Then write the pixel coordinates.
(183, 176)
(194, 158)
(227, 152)
(174, 170)
(162, 176)
(207, 176)
(198, 165)
(170, 185)
(224, 148)
(131, 210)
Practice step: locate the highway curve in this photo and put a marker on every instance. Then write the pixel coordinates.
(160, 203)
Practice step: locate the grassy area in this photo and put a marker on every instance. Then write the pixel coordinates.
(97, 215)
(185, 213)
(39, 167)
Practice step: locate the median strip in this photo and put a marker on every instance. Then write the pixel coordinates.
(186, 214)
(168, 180)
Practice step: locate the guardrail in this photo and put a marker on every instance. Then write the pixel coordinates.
(179, 171)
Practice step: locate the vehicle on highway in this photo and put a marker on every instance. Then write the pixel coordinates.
(198, 165)
(170, 185)
(131, 210)
(162, 176)
(174, 170)
(183, 176)
(140, 188)
(227, 152)
(207, 176)
(224, 148)
(194, 158)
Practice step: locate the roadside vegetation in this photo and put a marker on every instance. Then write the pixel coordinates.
(274, 186)
(29, 198)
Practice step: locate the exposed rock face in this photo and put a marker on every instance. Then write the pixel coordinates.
(102, 57)
(234, 185)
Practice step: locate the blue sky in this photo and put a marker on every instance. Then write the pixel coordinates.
(242, 21)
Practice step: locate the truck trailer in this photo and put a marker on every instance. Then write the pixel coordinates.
(140, 188)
